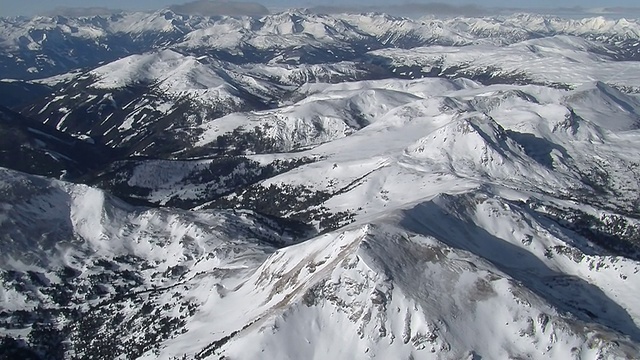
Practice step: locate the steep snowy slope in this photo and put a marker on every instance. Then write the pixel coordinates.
(421, 282)
(612, 109)
(100, 262)
(409, 290)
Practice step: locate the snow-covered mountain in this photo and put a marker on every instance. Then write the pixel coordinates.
(45, 46)
(560, 61)
(179, 72)
(153, 104)
(319, 186)
(423, 281)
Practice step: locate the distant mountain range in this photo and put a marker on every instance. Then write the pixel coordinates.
(45, 46)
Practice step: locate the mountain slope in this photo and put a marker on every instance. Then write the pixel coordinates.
(156, 103)
(560, 61)
(128, 103)
(95, 253)
(300, 185)
(29, 146)
(46, 46)
(403, 284)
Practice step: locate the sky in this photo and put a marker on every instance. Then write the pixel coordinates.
(31, 7)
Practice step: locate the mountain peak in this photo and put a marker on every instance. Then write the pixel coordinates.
(319, 186)
(617, 111)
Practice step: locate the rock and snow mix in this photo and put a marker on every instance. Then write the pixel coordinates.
(332, 211)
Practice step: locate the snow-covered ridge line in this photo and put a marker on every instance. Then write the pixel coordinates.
(111, 37)
(550, 25)
(14, 31)
(423, 281)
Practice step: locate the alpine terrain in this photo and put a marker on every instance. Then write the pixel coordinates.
(308, 186)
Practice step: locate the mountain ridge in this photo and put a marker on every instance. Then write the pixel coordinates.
(129, 33)
(301, 185)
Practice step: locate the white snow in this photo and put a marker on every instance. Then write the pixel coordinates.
(454, 251)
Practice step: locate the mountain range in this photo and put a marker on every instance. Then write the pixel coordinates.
(309, 186)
